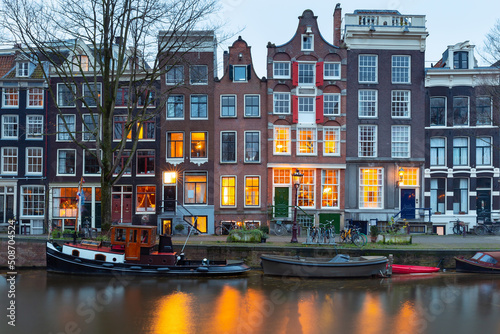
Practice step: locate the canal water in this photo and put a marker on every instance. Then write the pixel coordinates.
(438, 303)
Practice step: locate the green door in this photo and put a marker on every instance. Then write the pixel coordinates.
(281, 202)
(323, 217)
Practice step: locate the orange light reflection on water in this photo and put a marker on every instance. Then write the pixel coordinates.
(226, 310)
(316, 315)
(405, 321)
(175, 314)
(371, 317)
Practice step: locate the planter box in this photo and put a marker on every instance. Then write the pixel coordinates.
(397, 239)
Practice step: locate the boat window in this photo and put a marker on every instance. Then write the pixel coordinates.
(488, 259)
(75, 252)
(144, 237)
(477, 256)
(120, 234)
(100, 257)
(133, 236)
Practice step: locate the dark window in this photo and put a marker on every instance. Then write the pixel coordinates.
(438, 111)
(198, 74)
(147, 130)
(228, 106)
(91, 163)
(461, 59)
(240, 73)
(175, 106)
(252, 152)
(122, 97)
(483, 110)
(146, 162)
(123, 160)
(252, 106)
(228, 147)
(438, 195)
(460, 111)
(199, 106)
(119, 128)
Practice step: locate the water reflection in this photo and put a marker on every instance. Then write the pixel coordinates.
(255, 303)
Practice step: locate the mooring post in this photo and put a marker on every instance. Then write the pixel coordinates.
(389, 265)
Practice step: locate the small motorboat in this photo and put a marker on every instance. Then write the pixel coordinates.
(132, 252)
(481, 262)
(341, 265)
(402, 269)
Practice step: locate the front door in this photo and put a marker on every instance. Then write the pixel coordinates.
(169, 197)
(166, 227)
(132, 247)
(408, 203)
(281, 201)
(483, 204)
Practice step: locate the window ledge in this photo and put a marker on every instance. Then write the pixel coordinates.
(199, 161)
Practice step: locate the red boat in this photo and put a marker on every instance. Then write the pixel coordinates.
(406, 269)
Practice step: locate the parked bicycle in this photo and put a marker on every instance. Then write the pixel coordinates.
(281, 228)
(353, 234)
(458, 227)
(225, 227)
(482, 229)
(323, 234)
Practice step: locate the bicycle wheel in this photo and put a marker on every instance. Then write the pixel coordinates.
(218, 230)
(456, 229)
(357, 240)
(480, 230)
(279, 230)
(495, 230)
(342, 236)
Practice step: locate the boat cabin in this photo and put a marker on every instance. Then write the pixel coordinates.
(133, 238)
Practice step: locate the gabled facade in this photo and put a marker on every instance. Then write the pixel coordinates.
(306, 123)
(385, 113)
(461, 139)
(240, 141)
(23, 147)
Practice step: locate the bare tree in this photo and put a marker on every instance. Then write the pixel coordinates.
(491, 50)
(103, 46)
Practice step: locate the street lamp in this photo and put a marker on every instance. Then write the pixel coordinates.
(296, 179)
(401, 175)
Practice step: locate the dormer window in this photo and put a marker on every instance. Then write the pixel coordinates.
(461, 59)
(81, 63)
(307, 42)
(22, 69)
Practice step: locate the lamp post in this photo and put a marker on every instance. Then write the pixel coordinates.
(296, 179)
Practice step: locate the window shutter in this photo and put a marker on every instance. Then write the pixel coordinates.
(295, 109)
(231, 72)
(295, 73)
(319, 74)
(319, 109)
(249, 72)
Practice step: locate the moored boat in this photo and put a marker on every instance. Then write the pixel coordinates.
(481, 262)
(402, 269)
(340, 266)
(132, 252)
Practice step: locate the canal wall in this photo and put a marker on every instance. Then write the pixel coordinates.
(31, 253)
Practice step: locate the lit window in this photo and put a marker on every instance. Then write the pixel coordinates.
(66, 127)
(438, 111)
(367, 103)
(252, 191)
(282, 176)
(228, 146)
(175, 75)
(306, 144)
(195, 188)
(400, 106)
(368, 68)
(367, 138)
(35, 98)
(252, 146)
(330, 188)
(228, 191)
(146, 130)
(9, 160)
(10, 98)
(307, 188)
(281, 103)
(331, 140)
(331, 71)
(370, 188)
(331, 104)
(34, 160)
(198, 145)
(281, 70)
(228, 105)
(80, 63)
(10, 126)
(401, 69)
(401, 141)
(410, 176)
(146, 199)
(282, 140)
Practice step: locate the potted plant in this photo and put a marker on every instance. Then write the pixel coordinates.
(374, 232)
(179, 228)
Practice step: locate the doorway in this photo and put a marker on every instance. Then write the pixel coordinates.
(408, 203)
(166, 227)
(281, 201)
(169, 198)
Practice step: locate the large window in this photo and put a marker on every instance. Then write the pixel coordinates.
(252, 191)
(252, 146)
(33, 201)
(198, 75)
(368, 72)
(331, 71)
(460, 111)
(367, 103)
(198, 145)
(90, 127)
(92, 94)
(401, 141)
(281, 70)
(483, 151)
(175, 107)
(329, 188)
(9, 160)
(460, 196)
(123, 164)
(461, 59)
(306, 74)
(146, 130)
(65, 127)
(460, 151)
(252, 105)
(195, 188)
(438, 195)
(66, 95)
(228, 105)
(370, 188)
(146, 199)
(367, 139)
(401, 69)
(10, 126)
(483, 110)
(199, 106)
(400, 106)
(282, 140)
(90, 163)
(307, 188)
(281, 103)
(66, 162)
(145, 162)
(306, 141)
(10, 98)
(122, 97)
(228, 191)
(438, 150)
(438, 111)
(34, 160)
(175, 145)
(331, 104)
(228, 146)
(121, 127)
(331, 140)
(35, 98)
(34, 126)
(175, 75)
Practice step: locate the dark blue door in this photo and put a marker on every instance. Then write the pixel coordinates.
(408, 203)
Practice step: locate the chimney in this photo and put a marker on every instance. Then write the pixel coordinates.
(225, 59)
(337, 22)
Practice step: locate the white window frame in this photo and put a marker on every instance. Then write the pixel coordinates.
(15, 163)
(367, 67)
(277, 69)
(379, 185)
(468, 110)
(332, 186)
(174, 159)
(437, 150)
(84, 163)
(302, 42)
(64, 132)
(202, 82)
(400, 103)
(235, 191)
(58, 173)
(22, 69)
(401, 68)
(309, 174)
(34, 157)
(364, 104)
(245, 105)
(488, 144)
(40, 202)
(259, 192)
(336, 100)
(168, 103)
(206, 145)
(235, 148)
(87, 94)
(14, 91)
(229, 96)
(335, 130)
(490, 116)
(461, 148)
(191, 107)
(245, 147)
(86, 135)
(282, 98)
(32, 92)
(174, 70)
(59, 104)
(300, 140)
(15, 124)
(32, 125)
(309, 65)
(398, 141)
(288, 140)
(332, 77)
(374, 142)
(432, 108)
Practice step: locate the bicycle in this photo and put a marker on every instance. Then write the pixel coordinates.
(354, 235)
(323, 234)
(458, 227)
(225, 227)
(281, 229)
(482, 229)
